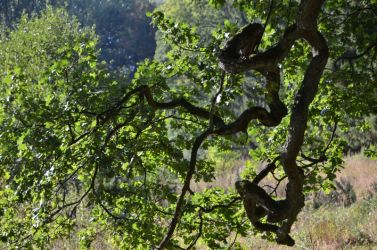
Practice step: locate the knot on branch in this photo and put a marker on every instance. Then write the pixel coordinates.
(258, 204)
(240, 47)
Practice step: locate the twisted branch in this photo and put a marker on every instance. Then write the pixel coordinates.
(256, 201)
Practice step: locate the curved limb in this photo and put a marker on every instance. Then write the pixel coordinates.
(267, 63)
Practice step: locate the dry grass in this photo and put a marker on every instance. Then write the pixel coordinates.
(328, 228)
(362, 174)
(360, 171)
(224, 179)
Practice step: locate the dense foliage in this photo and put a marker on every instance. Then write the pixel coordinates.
(84, 150)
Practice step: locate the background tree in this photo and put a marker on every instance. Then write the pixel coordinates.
(50, 79)
(122, 26)
(126, 36)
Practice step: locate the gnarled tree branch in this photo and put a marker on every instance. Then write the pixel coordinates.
(256, 201)
(254, 196)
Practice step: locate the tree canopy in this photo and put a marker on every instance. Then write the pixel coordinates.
(85, 150)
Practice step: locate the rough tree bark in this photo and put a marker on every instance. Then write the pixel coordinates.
(252, 194)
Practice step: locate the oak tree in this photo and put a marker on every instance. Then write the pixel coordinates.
(83, 151)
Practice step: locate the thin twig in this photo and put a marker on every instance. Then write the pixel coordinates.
(200, 232)
(354, 57)
(208, 210)
(214, 101)
(234, 240)
(331, 138)
(267, 20)
(269, 169)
